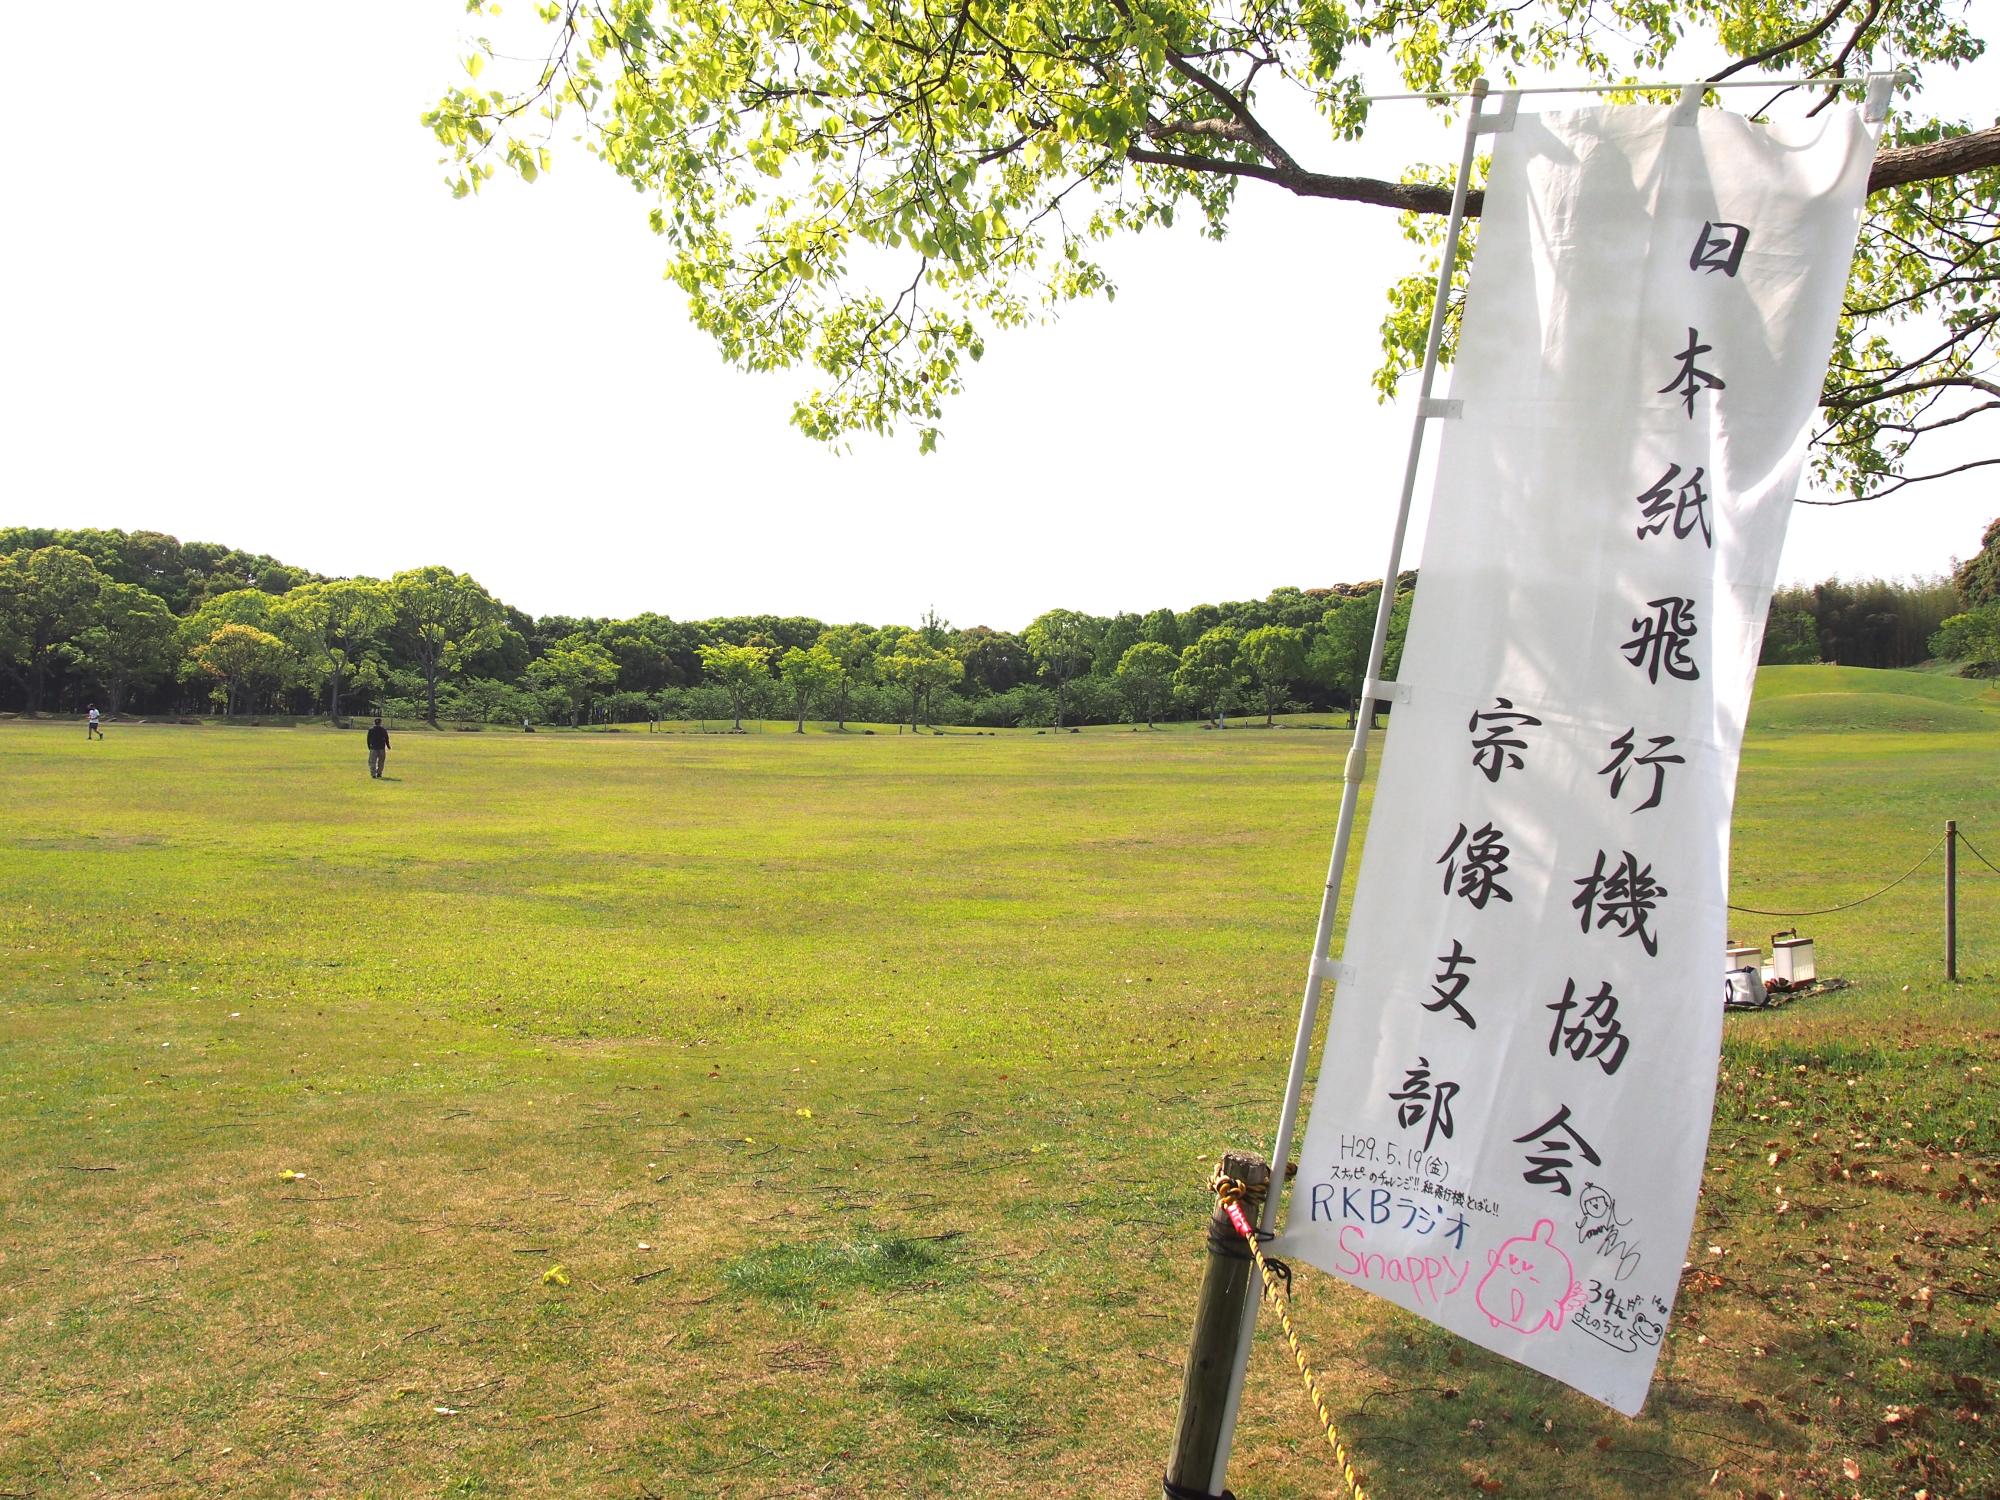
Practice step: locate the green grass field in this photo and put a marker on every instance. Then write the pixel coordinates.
(829, 1116)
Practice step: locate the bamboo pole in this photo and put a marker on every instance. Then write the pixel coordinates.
(1357, 762)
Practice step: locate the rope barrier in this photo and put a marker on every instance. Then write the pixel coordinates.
(1758, 911)
(1977, 855)
(1232, 1194)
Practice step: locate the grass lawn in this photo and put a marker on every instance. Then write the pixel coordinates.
(829, 1116)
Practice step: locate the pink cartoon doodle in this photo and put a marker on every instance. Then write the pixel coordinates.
(1531, 1285)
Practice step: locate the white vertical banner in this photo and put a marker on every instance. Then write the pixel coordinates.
(1509, 1126)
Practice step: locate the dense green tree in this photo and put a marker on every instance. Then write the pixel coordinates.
(935, 629)
(332, 627)
(1164, 626)
(1299, 608)
(47, 596)
(1210, 673)
(1274, 655)
(908, 661)
(489, 701)
(1977, 579)
(652, 652)
(1062, 642)
(1338, 657)
(572, 670)
(1121, 633)
(1197, 621)
(853, 648)
(243, 606)
(774, 633)
(130, 640)
(183, 574)
(1146, 676)
(240, 660)
(1791, 638)
(737, 670)
(443, 620)
(811, 674)
(995, 660)
(1971, 637)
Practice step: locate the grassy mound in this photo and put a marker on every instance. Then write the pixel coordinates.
(1817, 699)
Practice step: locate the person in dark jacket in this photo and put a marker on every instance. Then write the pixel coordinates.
(378, 748)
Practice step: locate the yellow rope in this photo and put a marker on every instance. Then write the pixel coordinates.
(1233, 1194)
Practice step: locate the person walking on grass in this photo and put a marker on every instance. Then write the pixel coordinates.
(92, 730)
(378, 748)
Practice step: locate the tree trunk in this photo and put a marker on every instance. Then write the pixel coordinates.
(336, 695)
(431, 695)
(1061, 685)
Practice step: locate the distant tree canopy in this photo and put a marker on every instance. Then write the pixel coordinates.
(434, 643)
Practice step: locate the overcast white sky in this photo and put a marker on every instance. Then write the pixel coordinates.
(242, 307)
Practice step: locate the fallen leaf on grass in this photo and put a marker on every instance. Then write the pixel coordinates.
(1850, 1468)
(290, 1176)
(555, 1276)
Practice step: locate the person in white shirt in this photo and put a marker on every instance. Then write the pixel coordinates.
(92, 730)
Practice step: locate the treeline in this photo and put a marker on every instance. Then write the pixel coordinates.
(1872, 622)
(140, 622)
(1972, 636)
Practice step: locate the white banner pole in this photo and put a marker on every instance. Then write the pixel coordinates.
(1357, 762)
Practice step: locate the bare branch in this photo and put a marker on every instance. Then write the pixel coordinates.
(1902, 482)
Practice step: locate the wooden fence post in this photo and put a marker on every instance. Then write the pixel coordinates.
(1951, 901)
(1229, 1293)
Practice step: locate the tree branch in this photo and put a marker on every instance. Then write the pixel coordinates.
(1894, 168)
(1846, 403)
(1409, 197)
(1789, 44)
(1949, 158)
(1902, 482)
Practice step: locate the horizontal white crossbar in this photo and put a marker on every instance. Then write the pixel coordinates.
(1330, 970)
